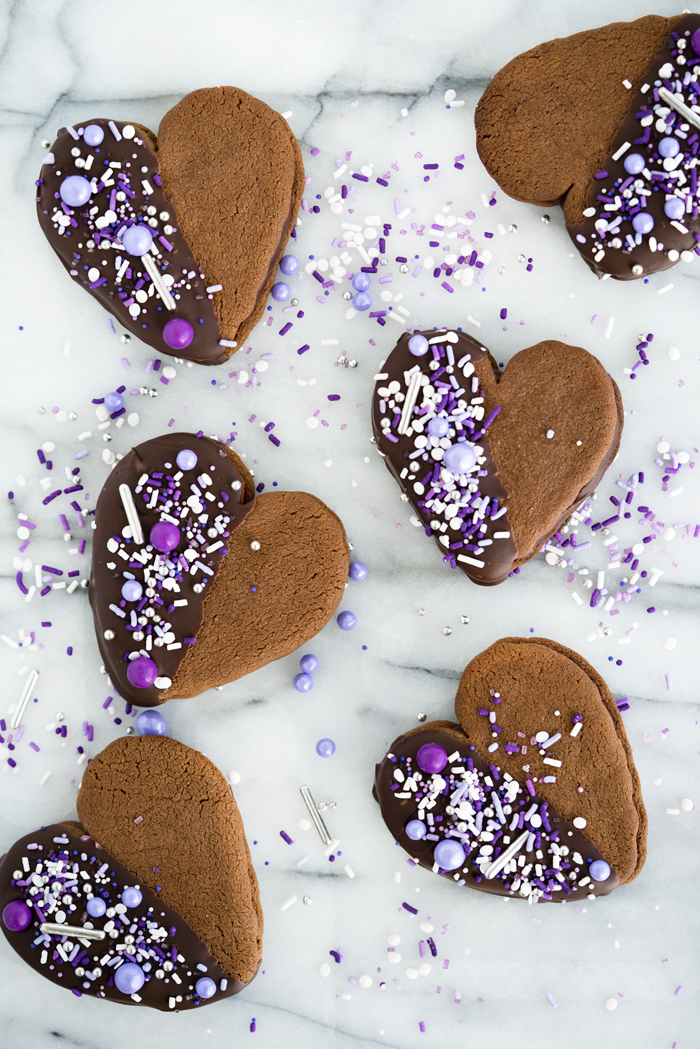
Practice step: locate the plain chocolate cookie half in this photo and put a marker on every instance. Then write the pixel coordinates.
(534, 793)
(178, 236)
(604, 123)
(152, 898)
(196, 581)
(492, 461)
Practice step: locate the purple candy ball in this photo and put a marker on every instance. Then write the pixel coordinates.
(96, 906)
(347, 620)
(418, 345)
(303, 682)
(141, 672)
(361, 281)
(459, 458)
(634, 163)
(448, 854)
(137, 240)
(186, 459)
(669, 146)
(164, 536)
(16, 916)
(361, 301)
(309, 663)
(695, 41)
(178, 333)
(416, 829)
(599, 870)
(151, 723)
(131, 896)
(205, 987)
(674, 208)
(431, 758)
(358, 571)
(289, 265)
(93, 135)
(129, 978)
(325, 748)
(438, 426)
(281, 291)
(643, 222)
(132, 590)
(114, 401)
(75, 191)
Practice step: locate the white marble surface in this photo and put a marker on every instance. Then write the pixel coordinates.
(346, 72)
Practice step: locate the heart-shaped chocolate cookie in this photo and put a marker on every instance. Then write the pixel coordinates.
(178, 237)
(534, 793)
(605, 123)
(152, 898)
(195, 581)
(493, 462)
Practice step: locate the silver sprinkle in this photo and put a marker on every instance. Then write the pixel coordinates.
(404, 268)
(126, 338)
(255, 545)
(347, 295)
(24, 698)
(306, 900)
(421, 611)
(78, 931)
(447, 630)
(465, 619)
(41, 411)
(294, 302)
(108, 635)
(545, 219)
(315, 815)
(422, 716)
(383, 262)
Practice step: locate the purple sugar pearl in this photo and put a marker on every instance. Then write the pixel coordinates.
(695, 41)
(362, 301)
(325, 748)
(361, 281)
(599, 870)
(186, 459)
(16, 916)
(309, 663)
(643, 222)
(416, 829)
(75, 191)
(178, 333)
(151, 723)
(205, 987)
(438, 426)
(289, 265)
(347, 620)
(137, 240)
(634, 163)
(131, 896)
(303, 682)
(164, 536)
(129, 978)
(674, 208)
(114, 401)
(448, 854)
(418, 345)
(431, 758)
(669, 146)
(281, 291)
(93, 135)
(132, 590)
(358, 571)
(460, 458)
(141, 672)
(96, 907)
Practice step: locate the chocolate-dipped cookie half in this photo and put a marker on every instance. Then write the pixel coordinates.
(492, 461)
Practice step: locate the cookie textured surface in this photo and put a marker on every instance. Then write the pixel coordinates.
(534, 793)
(178, 237)
(494, 461)
(602, 123)
(158, 902)
(214, 582)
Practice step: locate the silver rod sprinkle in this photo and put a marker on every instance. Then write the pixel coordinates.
(24, 698)
(498, 865)
(79, 932)
(315, 815)
(410, 402)
(131, 515)
(680, 107)
(157, 278)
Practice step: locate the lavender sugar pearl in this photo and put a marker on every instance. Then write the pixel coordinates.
(634, 163)
(599, 870)
(151, 723)
(418, 345)
(695, 41)
(449, 854)
(16, 916)
(131, 896)
(361, 281)
(186, 459)
(289, 265)
(460, 458)
(93, 135)
(347, 620)
(416, 829)
(132, 590)
(137, 240)
(669, 146)
(75, 191)
(674, 209)
(362, 301)
(438, 427)
(96, 907)
(325, 748)
(164, 536)
(178, 333)
(142, 672)
(114, 401)
(281, 291)
(643, 222)
(129, 978)
(303, 682)
(431, 758)
(309, 663)
(358, 571)
(205, 987)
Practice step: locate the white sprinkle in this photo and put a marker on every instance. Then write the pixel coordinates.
(579, 823)
(113, 128)
(227, 342)
(551, 761)
(550, 434)
(325, 970)
(44, 779)
(470, 560)
(672, 812)
(157, 278)
(577, 728)
(477, 324)
(666, 287)
(625, 83)
(131, 515)
(687, 805)
(674, 492)
(288, 903)
(625, 145)
(576, 597)
(609, 327)
(214, 287)
(349, 871)
(611, 1004)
